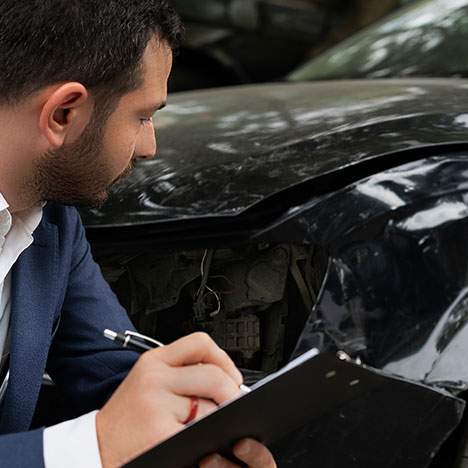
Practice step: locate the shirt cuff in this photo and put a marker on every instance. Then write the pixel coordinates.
(72, 444)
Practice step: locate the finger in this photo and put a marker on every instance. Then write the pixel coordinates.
(216, 461)
(183, 406)
(199, 348)
(254, 454)
(203, 380)
(205, 407)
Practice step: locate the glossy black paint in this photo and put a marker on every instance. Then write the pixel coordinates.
(223, 152)
(395, 292)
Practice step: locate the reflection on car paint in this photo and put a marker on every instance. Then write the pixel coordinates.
(230, 155)
(396, 270)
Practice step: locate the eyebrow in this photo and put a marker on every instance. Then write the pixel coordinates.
(157, 107)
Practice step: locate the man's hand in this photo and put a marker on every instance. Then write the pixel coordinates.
(153, 402)
(251, 452)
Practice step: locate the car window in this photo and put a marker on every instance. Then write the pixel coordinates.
(428, 38)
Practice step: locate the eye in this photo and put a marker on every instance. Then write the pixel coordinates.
(144, 121)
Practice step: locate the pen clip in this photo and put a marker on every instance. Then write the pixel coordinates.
(143, 338)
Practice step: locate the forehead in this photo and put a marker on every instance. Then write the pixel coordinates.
(156, 67)
(156, 62)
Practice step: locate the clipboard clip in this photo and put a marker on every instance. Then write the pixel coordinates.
(346, 357)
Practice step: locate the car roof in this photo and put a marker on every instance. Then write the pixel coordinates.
(223, 151)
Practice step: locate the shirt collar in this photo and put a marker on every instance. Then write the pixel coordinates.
(3, 203)
(31, 218)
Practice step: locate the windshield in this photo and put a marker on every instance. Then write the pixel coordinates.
(427, 38)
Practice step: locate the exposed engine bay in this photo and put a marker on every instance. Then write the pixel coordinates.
(253, 300)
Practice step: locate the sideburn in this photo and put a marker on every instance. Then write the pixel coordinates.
(76, 174)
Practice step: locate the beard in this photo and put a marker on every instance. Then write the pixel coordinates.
(79, 173)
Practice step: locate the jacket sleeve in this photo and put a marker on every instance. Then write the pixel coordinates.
(22, 450)
(83, 364)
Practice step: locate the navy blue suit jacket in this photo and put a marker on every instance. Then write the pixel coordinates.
(60, 306)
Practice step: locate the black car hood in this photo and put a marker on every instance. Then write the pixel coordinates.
(224, 151)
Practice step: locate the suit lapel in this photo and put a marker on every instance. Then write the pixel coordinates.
(33, 300)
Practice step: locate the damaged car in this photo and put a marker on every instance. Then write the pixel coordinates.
(282, 217)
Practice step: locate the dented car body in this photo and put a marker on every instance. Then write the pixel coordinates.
(334, 215)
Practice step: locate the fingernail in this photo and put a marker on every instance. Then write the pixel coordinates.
(242, 450)
(213, 462)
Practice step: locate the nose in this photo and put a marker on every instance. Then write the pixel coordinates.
(145, 147)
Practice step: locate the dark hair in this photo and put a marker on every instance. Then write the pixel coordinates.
(98, 43)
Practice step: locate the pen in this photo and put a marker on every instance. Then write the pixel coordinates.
(132, 340)
(142, 343)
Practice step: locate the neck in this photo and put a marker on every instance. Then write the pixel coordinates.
(16, 181)
(17, 202)
(17, 188)
(17, 161)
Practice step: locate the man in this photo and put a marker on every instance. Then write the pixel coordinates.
(79, 83)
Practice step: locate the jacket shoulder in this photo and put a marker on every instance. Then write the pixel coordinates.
(64, 217)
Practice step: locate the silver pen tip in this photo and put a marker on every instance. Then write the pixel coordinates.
(110, 334)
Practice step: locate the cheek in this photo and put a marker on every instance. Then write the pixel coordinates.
(121, 148)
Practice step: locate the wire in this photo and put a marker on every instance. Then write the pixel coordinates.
(218, 310)
(202, 273)
(203, 285)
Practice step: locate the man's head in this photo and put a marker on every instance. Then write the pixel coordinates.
(79, 83)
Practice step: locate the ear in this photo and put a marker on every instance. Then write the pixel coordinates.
(65, 114)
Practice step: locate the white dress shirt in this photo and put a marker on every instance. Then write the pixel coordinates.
(73, 443)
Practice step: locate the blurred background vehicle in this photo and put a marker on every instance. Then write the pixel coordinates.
(232, 42)
(426, 38)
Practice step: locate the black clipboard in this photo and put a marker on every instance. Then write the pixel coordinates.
(304, 390)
